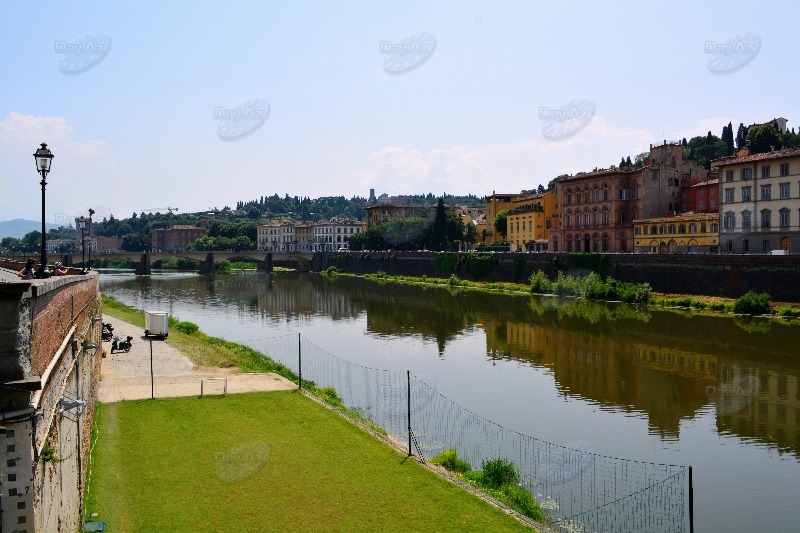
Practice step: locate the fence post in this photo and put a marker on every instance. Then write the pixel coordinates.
(691, 502)
(152, 385)
(408, 401)
(300, 361)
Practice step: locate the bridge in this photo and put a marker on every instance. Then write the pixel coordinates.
(301, 261)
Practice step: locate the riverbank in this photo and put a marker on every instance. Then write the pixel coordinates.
(210, 351)
(708, 305)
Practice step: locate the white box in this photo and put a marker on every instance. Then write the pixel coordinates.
(156, 323)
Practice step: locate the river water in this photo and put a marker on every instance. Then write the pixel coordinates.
(717, 393)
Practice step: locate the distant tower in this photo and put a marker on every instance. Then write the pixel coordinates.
(372, 198)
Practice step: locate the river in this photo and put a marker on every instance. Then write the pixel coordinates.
(718, 393)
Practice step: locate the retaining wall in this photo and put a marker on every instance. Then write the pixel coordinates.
(710, 275)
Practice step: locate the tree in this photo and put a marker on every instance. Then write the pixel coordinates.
(501, 223)
(628, 162)
(438, 236)
(741, 137)
(762, 138)
(622, 162)
(540, 189)
(641, 159)
(135, 242)
(727, 136)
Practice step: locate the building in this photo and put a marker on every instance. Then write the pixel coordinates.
(663, 177)
(529, 221)
(686, 232)
(495, 204)
(287, 235)
(333, 234)
(699, 196)
(277, 235)
(176, 238)
(382, 213)
(61, 245)
(594, 211)
(760, 202)
(105, 244)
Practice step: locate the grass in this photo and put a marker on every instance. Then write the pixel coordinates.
(274, 461)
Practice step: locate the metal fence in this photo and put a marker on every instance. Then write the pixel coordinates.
(581, 490)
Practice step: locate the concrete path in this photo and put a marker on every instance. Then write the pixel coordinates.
(126, 375)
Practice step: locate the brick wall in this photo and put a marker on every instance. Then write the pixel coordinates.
(44, 325)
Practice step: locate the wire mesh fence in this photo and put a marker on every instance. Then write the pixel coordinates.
(580, 489)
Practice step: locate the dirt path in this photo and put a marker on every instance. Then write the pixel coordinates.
(126, 375)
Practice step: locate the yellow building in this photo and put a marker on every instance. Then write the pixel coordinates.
(495, 204)
(530, 220)
(684, 233)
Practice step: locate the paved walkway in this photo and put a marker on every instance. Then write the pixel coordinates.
(126, 375)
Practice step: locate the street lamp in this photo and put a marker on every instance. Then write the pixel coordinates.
(82, 226)
(43, 158)
(91, 212)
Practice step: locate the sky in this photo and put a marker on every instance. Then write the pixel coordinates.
(197, 105)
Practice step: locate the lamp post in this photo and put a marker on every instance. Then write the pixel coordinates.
(43, 158)
(82, 226)
(91, 212)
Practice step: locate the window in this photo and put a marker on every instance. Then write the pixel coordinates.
(746, 219)
(765, 191)
(784, 169)
(765, 171)
(765, 245)
(713, 204)
(586, 218)
(714, 228)
(654, 175)
(638, 231)
(605, 217)
(596, 219)
(635, 215)
(746, 174)
(605, 194)
(682, 228)
(700, 205)
(766, 215)
(654, 230)
(644, 230)
(784, 191)
(623, 194)
(784, 215)
(745, 194)
(596, 196)
(622, 216)
(729, 175)
(745, 245)
(692, 228)
(569, 221)
(663, 229)
(569, 199)
(586, 197)
(635, 192)
(728, 196)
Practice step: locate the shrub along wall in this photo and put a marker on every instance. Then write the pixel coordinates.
(712, 275)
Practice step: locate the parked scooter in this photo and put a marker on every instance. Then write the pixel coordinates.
(121, 346)
(108, 332)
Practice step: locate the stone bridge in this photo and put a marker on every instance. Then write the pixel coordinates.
(301, 261)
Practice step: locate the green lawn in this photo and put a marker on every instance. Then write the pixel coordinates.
(273, 461)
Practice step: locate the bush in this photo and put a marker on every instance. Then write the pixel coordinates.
(540, 283)
(450, 461)
(187, 327)
(753, 303)
(499, 472)
(480, 265)
(331, 271)
(787, 311)
(223, 265)
(521, 501)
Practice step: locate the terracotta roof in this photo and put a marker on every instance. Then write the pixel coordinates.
(601, 172)
(704, 183)
(777, 154)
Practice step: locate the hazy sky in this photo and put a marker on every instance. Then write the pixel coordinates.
(200, 104)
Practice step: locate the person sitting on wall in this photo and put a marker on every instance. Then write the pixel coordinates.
(29, 270)
(59, 270)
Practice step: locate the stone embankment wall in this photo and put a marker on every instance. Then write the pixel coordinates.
(711, 275)
(48, 385)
